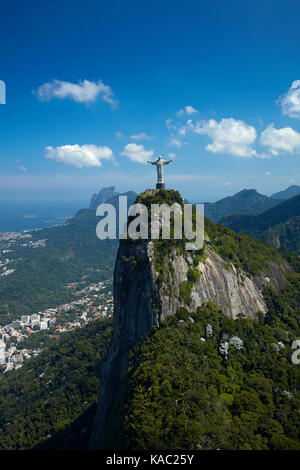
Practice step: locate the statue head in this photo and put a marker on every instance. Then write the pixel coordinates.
(159, 157)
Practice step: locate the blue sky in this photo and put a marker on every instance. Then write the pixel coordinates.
(96, 88)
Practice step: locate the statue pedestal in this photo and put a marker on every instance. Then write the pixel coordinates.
(160, 186)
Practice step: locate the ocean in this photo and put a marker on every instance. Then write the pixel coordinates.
(17, 217)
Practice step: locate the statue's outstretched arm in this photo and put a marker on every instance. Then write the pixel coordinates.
(152, 163)
(166, 162)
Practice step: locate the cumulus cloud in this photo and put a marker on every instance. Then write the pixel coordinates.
(140, 136)
(82, 92)
(79, 156)
(22, 168)
(284, 140)
(187, 110)
(290, 102)
(137, 153)
(229, 136)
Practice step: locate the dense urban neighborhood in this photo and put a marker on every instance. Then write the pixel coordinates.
(90, 302)
(91, 305)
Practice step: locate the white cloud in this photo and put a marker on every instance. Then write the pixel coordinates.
(284, 140)
(187, 110)
(22, 168)
(229, 136)
(267, 173)
(170, 125)
(79, 156)
(187, 127)
(137, 153)
(119, 135)
(82, 92)
(140, 136)
(172, 155)
(175, 143)
(290, 102)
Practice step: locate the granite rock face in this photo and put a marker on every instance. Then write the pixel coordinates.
(231, 291)
(135, 292)
(144, 297)
(103, 195)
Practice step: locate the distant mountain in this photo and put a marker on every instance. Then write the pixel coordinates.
(131, 197)
(278, 226)
(111, 196)
(103, 195)
(247, 201)
(291, 191)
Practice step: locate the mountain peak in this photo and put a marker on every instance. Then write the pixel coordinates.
(103, 195)
(248, 192)
(246, 201)
(287, 193)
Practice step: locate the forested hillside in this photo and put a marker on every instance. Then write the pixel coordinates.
(51, 400)
(285, 235)
(279, 227)
(256, 225)
(72, 253)
(204, 381)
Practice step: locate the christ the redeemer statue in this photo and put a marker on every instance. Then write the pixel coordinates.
(160, 171)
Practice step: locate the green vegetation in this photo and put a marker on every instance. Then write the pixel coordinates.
(253, 256)
(54, 394)
(199, 381)
(285, 235)
(193, 275)
(199, 256)
(185, 290)
(181, 392)
(186, 393)
(160, 197)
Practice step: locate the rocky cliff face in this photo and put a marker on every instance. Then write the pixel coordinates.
(231, 291)
(146, 292)
(135, 294)
(103, 195)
